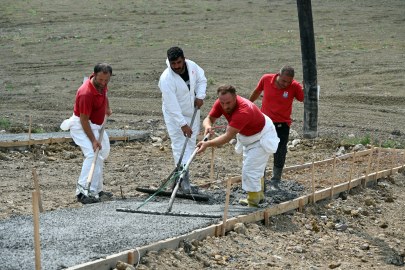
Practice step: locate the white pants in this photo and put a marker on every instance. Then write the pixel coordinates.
(255, 158)
(81, 139)
(177, 137)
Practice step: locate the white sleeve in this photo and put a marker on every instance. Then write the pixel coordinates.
(201, 84)
(170, 100)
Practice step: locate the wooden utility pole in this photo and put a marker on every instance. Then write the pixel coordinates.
(308, 68)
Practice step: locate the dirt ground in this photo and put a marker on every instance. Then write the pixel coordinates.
(47, 48)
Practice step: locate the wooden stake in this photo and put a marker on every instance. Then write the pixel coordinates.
(403, 162)
(371, 139)
(29, 135)
(228, 191)
(393, 159)
(266, 218)
(212, 165)
(301, 201)
(351, 172)
(125, 137)
(368, 166)
(333, 179)
(37, 245)
(34, 173)
(131, 258)
(302, 160)
(313, 182)
(378, 164)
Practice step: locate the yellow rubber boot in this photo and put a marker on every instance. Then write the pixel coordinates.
(261, 195)
(252, 199)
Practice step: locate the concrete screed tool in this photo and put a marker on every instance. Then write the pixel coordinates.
(86, 189)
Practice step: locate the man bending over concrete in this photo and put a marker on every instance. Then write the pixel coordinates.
(256, 136)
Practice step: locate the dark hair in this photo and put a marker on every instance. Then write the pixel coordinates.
(226, 88)
(287, 70)
(103, 67)
(174, 53)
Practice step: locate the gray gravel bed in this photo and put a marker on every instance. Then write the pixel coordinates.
(74, 236)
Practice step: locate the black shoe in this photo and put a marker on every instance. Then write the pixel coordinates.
(86, 200)
(108, 194)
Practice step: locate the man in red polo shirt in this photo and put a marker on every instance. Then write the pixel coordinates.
(255, 133)
(279, 91)
(89, 112)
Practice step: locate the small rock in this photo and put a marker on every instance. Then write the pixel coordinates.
(178, 256)
(355, 213)
(365, 246)
(369, 201)
(330, 225)
(396, 132)
(157, 144)
(341, 227)
(364, 213)
(358, 147)
(334, 265)
(240, 228)
(123, 266)
(313, 267)
(296, 142)
(298, 249)
(51, 158)
(162, 148)
(389, 199)
(363, 260)
(378, 211)
(293, 134)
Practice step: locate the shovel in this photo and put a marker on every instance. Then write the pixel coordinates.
(85, 190)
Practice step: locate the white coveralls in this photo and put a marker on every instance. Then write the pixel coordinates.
(81, 139)
(256, 152)
(178, 106)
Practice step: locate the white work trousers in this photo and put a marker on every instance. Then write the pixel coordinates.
(255, 158)
(81, 139)
(178, 139)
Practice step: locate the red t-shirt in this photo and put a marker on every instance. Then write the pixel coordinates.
(246, 116)
(90, 102)
(277, 103)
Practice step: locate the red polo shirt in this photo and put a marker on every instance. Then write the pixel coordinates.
(277, 103)
(246, 116)
(90, 102)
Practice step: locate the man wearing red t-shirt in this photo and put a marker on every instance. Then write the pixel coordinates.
(255, 133)
(279, 91)
(89, 112)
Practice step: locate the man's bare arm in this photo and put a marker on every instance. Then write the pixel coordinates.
(221, 140)
(255, 95)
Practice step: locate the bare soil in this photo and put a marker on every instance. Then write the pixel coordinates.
(47, 48)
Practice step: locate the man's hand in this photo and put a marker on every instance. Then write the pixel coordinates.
(202, 145)
(96, 144)
(198, 102)
(209, 130)
(108, 112)
(187, 131)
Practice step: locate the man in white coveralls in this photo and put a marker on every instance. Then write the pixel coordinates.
(256, 135)
(183, 86)
(91, 106)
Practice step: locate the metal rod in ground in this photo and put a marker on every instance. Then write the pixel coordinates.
(181, 214)
(197, 197)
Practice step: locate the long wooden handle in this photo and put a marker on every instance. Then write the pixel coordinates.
(93, 164)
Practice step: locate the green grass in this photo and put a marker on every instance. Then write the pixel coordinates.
(211, 80)
(37, 130)
(367, 141)
(4, 123)
(9, 87)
